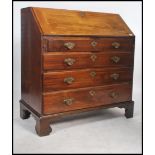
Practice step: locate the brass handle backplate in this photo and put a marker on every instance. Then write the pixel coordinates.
(69, 61)
(116, 44)
(69, 80)
(69, 101)
(114, 76)
(69, 45)
(114, 95)
(115, 59)
(94, 43)
(93, 57)
(92, 74)
(92, 93)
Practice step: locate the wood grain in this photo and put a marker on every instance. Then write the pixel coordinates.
(70, 22)
(54, 102)
(56, 60)
(54, 81)
(31, 82)
(84, 44)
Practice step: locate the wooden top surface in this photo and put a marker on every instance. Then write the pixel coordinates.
(80, 23)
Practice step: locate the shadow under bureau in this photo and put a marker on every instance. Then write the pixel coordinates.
(72, 62)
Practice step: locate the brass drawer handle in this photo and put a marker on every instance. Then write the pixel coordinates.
(114, 95)
(92, 74)
(69, 80)
(69, 101)
(69, 61)
(94, 43)
(115, 59)
(93, 57)
(69, 45)
(92, 93)
(116, 44)
(114, 76)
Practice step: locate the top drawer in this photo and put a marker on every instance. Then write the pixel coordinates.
(72, 44)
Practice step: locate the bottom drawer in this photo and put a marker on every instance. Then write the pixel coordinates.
(62, 101)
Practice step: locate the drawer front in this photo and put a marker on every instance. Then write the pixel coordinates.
(53, 81)
(75, 60)
(63, 101)
(71, 44)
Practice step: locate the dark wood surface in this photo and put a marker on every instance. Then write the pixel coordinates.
(84, 44)
(31, 83)
(43, 122)
(82, 98)
(97, 37)
(56, 60)
(54, 81)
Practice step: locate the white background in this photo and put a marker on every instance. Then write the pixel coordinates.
(129, 11)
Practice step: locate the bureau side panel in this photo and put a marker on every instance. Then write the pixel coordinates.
(133, 54)
(31, 85)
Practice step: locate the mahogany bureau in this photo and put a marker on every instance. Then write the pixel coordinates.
(72, 62)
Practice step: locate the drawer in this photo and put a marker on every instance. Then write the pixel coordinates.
(53, 81)
(63, 101)
(72, 44)
(75, 60)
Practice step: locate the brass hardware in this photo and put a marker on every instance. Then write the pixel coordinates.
(114, 94)
(116, 44)
(69, 101)
(93, 57)
(92, 74)
(69, 45)
(115, 59)
(82, 14)
(93, 43)
(114, 76)
(69, 61)
(69, 80)
(92, 93)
